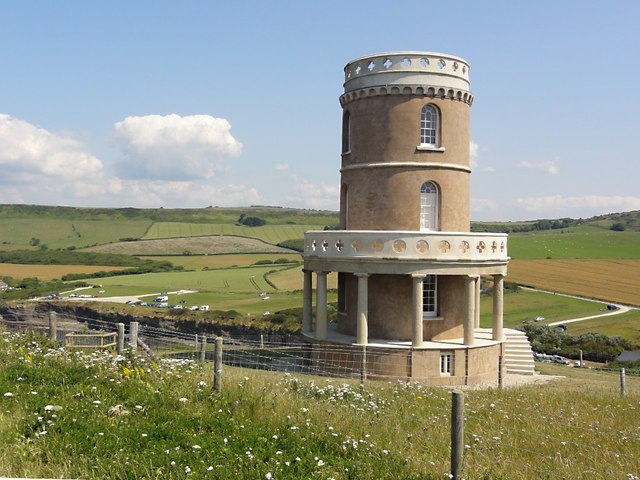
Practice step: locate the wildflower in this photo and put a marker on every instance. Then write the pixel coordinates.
(173, 463)
(145, 435)
(183, 400)
(268, 476)
(187, 469)
(225, 440)
(8, 394)
(209, 468)
(196, 447)
(320, 463)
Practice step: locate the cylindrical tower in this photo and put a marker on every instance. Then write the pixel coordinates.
(405, 167)
(408, 266)
(405, 146)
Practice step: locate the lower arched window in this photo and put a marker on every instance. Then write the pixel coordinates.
(429, 206)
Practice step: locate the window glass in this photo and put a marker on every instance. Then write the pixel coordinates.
(429, 126)
(429, 206)
(430, 296)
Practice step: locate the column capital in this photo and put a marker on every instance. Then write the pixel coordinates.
(359, 274)
(418, 275)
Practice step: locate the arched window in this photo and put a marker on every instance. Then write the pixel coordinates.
(429, 126)
(429, 207)
(346, 132)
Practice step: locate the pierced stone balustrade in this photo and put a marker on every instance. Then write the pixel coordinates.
(400, 245)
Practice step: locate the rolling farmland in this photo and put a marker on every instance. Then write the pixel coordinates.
(49, 272)
(268, 233)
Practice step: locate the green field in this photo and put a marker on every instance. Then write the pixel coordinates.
(625, 325)
(62, 233)
(526, 305)
(273, 234)
(583, 241)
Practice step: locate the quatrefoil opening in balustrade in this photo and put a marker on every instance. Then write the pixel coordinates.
(494, 247)
(314, 245)
(377, 245)
(339, 245)
(325, 246)
(502, 247)
(481, 246)
(356, 245)
(444, 246)
(387, 63)
(422, 246)
(399, 246)
(464, 246)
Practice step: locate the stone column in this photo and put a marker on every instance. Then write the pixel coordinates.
(469, 320)
(307, 301)
(498, 286)
(417, 337)
(477, 303)
(363, 308)
(321, 305)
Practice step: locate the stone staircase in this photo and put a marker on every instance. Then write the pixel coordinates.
(518, 356)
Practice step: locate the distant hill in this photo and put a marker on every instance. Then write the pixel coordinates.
(51, 227)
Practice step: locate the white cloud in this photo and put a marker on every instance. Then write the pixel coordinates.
(549, 167)
(580, 206)
(32, 155)
(473, 154)
(281, 167)
(484, 206)
(174, 147)
(316, 195)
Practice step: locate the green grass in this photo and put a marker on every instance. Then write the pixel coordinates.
(526, 305)
(134, 418)
(576, 242)
(63, 233)
(272, 234)
(225, 280)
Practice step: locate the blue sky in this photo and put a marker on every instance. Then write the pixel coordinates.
(196, 103)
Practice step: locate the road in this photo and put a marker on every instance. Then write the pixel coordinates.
(620, 308)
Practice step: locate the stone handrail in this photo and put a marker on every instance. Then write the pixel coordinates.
(434, 246)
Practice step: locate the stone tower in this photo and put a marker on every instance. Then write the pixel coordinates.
(408, 267)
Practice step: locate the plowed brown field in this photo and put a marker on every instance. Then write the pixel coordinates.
(610, 280)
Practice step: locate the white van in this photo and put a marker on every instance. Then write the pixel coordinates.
(162, 298)
(203, 308)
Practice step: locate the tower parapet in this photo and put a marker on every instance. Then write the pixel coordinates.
(412, 73)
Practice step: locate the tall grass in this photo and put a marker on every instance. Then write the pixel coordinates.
(102, 416)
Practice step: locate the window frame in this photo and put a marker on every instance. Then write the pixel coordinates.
(447, 362)
(430, 127)
(434, 210)
(430, 296)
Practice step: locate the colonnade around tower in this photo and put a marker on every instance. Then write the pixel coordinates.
(471, 319)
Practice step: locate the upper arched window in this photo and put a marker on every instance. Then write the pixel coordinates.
(429, 206)
(429, 126)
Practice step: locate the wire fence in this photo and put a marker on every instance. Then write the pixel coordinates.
(274, 352)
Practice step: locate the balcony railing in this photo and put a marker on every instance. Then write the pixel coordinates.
(433, 246)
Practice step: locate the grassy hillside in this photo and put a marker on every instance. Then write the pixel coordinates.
(584, 241)
(68, 415)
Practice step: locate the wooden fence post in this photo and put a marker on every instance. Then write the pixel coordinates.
(120, 344)
(457, 433)
(133, 335)
(203, 348)
(217, 366)
(53, 326)
(500, 372)
(196, 343)
(261, 341)
(623, 382)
